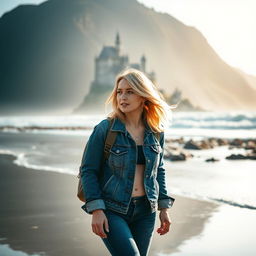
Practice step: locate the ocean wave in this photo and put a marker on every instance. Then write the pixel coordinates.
(8, 152)
(211, 199)
(203, 120)
(212, 116)
(50, 121)
(21, 159)
(251, 207)
(214, 125)
(214, 120)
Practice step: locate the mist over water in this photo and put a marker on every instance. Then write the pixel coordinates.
(205, 124)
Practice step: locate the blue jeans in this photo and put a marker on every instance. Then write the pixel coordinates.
(130, 234)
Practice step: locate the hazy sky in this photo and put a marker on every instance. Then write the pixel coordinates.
(228, 25)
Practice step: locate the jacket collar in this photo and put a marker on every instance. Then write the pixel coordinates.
(119, 126)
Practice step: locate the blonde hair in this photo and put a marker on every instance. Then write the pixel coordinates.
(156, 112)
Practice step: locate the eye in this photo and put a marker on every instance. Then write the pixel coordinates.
(118, 92)
(130, 92)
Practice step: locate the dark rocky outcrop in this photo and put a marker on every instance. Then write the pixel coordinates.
(212, 159)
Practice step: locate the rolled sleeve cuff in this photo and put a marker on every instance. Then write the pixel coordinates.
(165, 203)
(93, 205)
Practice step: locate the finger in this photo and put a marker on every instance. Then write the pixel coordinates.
(166, 228)
(167, 223)
(96, 229)
(163, 229)
(163, 224)
(160, 230)
(93, 228)
(106, 225)
(101, 231)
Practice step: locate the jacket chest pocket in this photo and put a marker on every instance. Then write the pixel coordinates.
(155, 151)
(118, 159)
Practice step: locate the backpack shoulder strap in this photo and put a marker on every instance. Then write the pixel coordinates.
(157, 135)
(110, 139)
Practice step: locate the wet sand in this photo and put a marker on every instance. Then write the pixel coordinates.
(40, 213)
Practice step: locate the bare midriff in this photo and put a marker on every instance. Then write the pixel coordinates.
(138, 186)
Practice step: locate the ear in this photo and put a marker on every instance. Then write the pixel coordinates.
(146, 102)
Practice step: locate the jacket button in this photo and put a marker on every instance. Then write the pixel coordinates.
(147, 176)
(117, 151)
(148, 160)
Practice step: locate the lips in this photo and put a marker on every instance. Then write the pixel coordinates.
(124, 104)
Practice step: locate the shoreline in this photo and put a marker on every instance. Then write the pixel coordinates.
(41, 213)
(169, 165)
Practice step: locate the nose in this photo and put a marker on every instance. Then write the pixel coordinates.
(123, 96)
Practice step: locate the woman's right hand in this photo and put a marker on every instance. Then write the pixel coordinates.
(99, 220)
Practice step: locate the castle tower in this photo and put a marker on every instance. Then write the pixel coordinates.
(118, 43)
(143, 63)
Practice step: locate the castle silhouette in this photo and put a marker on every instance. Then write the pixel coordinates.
(108, 64)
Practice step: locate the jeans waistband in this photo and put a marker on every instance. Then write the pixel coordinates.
(138, 198)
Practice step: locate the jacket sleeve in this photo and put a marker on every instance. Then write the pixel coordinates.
(91, 167)
(164, 200)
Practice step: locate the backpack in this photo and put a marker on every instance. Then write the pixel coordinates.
(110, 139)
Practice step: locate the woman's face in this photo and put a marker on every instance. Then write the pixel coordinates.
(127, 100)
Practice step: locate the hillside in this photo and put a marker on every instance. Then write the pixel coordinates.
(47, 55)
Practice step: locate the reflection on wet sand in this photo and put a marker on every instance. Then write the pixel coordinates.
(40, 213)
(189, 218)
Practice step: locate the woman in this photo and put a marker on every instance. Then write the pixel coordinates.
(124, 191)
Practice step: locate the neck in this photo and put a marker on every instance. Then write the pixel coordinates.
(134, 119)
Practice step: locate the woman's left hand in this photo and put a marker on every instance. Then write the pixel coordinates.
(165, 222)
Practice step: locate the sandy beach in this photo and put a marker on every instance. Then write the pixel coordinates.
(41, 214)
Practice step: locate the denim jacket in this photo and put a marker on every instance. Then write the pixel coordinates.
(109, 183)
